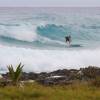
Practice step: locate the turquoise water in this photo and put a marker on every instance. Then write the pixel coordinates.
(36, 37)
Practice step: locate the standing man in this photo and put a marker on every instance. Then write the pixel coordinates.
(68, 39)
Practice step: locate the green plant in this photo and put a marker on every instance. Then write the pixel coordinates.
(15, 74)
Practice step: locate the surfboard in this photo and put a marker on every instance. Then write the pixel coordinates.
(75, 45)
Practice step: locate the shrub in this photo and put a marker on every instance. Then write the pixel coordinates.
(15, 74)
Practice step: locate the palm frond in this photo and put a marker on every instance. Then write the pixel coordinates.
(15, 75)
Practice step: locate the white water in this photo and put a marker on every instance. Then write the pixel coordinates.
(48, 60)
(22, 32)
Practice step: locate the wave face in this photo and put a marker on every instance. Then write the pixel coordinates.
(40, 33)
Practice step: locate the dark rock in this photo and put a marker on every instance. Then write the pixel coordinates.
(29, 76)
(63, 76)
(54, 80)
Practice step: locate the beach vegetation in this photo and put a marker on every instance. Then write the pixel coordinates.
(15, 75)
(35, 91)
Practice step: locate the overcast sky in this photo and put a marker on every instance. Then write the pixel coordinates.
(47, 3)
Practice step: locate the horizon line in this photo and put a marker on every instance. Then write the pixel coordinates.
(53, 6)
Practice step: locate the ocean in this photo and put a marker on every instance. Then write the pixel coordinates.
(36, 37)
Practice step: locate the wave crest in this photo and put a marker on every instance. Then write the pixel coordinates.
(21, 32)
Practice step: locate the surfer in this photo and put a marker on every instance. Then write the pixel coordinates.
(68, 39)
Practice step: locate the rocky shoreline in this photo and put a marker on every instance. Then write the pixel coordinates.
(64, 76)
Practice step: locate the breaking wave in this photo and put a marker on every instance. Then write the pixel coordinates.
(51, 34)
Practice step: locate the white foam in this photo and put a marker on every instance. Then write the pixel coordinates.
(48, 60)
(48, 40)
(22, 32)
(26, 32)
